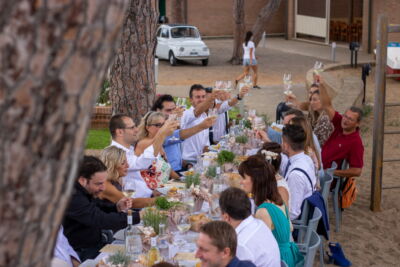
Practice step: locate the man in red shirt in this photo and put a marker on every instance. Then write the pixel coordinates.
(345, 142)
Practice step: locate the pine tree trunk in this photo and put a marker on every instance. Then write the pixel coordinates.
(239, 29)
(177, 12)
(53, 57)
(263, 18)
(132, 75)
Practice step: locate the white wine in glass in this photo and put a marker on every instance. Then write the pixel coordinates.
(128, 188)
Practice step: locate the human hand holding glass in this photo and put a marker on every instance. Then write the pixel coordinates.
(128, 187)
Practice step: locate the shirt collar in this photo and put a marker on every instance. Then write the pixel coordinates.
(296, 157)
(116, 144)
(244, 224)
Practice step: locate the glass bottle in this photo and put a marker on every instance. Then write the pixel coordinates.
(133, 242)
(153, 256)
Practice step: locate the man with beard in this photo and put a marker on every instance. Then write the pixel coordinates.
(86, 216)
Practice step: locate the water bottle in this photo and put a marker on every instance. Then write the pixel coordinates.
(133, 242)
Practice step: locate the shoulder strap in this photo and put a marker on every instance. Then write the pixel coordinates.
(305, 173)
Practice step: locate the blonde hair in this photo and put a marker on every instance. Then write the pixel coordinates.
(113, 157)
(148, 119)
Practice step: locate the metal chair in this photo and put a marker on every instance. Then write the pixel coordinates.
(335, 197)
(326, 181)
(283, 264)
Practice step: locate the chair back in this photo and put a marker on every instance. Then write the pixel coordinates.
(314, 243)
(312, 225)
(326, 181)
(331, 169)
(283, 264)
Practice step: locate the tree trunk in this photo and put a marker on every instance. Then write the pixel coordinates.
(177, 12)
(239, 29)
(132, 75)
(53, 56)
(262, 19)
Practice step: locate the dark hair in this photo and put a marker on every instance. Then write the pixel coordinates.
(293, 111)
(235, 203)
(314, 85)
(262, 175)
(195, 87)
(159, 103)
(89, 166)
(249, 34)
(273, 147)
(222, 235)
(208, 89)
(295, 136)
(358, 111)
(117, 122)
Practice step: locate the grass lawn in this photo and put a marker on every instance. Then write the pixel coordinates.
(98, 139)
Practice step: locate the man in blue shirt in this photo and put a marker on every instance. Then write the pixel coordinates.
(216, 246)
(172, 146)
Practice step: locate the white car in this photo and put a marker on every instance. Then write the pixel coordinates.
(181, 42)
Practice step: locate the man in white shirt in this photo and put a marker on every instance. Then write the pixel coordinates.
(194, 146)
(256, 242)
(64, 252)
(220, 127)
(299, 171)
(124, 134)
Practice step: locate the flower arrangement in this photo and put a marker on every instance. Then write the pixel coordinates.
(192, 179)
(269, 155)
(241, 139)
(225, 157)
(153, 217)
(163, 203)
(211, 171)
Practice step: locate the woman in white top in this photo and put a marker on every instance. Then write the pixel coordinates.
(271, 151)
(249, 59)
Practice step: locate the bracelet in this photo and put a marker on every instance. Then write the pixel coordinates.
(238, 97)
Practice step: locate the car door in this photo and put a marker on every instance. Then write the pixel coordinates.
(158, 35)
(162, 43)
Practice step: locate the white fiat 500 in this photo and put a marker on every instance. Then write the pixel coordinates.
(181, 42)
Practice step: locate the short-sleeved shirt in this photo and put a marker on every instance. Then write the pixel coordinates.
(341, 146)
(246, 50)
(173, 150)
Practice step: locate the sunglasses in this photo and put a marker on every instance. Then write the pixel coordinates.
(158, 125)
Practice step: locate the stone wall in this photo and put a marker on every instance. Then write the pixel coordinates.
(100, 118)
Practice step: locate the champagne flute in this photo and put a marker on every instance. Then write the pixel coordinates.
(213, 112)
(228, 86)
(287, 84)
(128, 187)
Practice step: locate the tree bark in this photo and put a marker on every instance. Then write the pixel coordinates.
(262, 19)
(177, 12)
(53, 55)
(132, 75)
(239, 29)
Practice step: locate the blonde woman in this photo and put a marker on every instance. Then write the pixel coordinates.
(149, 128)
(117, 167)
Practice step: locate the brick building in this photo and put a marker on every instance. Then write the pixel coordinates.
(323, 21)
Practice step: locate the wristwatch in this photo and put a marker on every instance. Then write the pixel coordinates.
(238, 97)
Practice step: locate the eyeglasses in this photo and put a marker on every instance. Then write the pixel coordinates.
(158, 125)
(348, 118)
(130, 127)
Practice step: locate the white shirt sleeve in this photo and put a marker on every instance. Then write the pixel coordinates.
(298, 186)
(244, 253)
(187, 118)
(224, 107)
(143, 161)
(250, 44)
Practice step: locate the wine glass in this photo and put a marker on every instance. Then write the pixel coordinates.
(318, 69)
(128, 187)
(174, 117)
(228, 86)
(259, 124)
(252, 114)
(213, 112)
(183, 224)
(188, 199)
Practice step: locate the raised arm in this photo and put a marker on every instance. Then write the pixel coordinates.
(206, 105)
(205, 124)
(326, 101)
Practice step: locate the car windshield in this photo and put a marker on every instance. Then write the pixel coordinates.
(184, 32)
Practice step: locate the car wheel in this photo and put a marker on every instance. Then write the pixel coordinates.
(172, 59)
(204, 62)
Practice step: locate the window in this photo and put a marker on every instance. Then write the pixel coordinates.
(164, 33)
(158, 32)
(184, 32)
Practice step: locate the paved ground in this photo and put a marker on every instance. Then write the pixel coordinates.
(279, 56)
